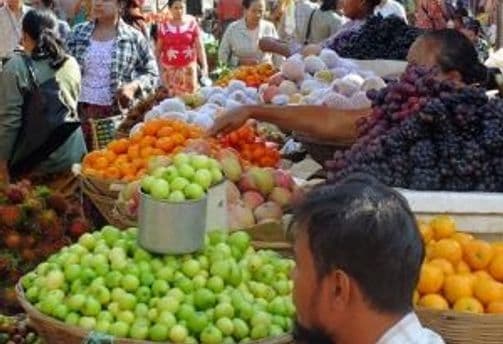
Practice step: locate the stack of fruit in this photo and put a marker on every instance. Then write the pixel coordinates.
(227, 293)
(251, 147)
(34, 223)
(16, 330)
(253, 76)
(188, 178)
(257, 195)
(460, 272)
(127, 159)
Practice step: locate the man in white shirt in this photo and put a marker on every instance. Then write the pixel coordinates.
(358, 254)
(391, 8)
(11, 16)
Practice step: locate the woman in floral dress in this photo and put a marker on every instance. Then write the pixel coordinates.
(180, 46)
(431, 14)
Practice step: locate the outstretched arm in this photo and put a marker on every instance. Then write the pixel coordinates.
(320, 122)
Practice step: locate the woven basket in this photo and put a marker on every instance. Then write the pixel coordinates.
(463, 328)
(103, 130)
(56, 332)
(103, 194)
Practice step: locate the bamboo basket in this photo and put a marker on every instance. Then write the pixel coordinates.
(463, 328)
(103, 194)
(56, 332)
(321, 151)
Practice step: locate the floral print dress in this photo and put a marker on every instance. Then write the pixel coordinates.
(178, 56)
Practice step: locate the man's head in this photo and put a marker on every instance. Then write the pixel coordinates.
(451, 52)
(358, 250)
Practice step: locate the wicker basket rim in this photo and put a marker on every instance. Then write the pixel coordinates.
(483, 317)
(34, 313)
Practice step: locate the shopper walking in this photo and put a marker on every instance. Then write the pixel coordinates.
(180, 47)
(117, 63)
(11, 15)
(240, 44)
(39, 133)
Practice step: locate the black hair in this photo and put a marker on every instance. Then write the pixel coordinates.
(172, 2)
(371, 5)
(328, 5)
(366, 229)
(457, 53)
(248, 3)
(41, 26)
(48, 4)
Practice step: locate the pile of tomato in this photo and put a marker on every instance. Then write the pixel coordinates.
(251, 147)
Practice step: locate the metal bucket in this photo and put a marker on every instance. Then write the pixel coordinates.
(171, 228)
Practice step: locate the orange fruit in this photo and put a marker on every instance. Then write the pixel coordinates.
(495, 307)
(429, 250)
(152, 127)
(431, 279)
(498, 246)
(443, 226)
(118, 146)
(415, 297)
(462, 268)
(448, 249)
(146, 152)
(443, 264)
(127, 169)
(112, 173)
(433, 301)
(478, 254)
(468, 304)
(462, 238)
(111, 156)
(122, 158)
(482, 274)
(139, 163)
(148, 141)
(165, 131)
(487, 291)
(496, 267)
(165, 143)
(136, 138)
(426, 232)
(157, 151)
(101, 163)
(133, 152)
(457, 287)
(178, 139)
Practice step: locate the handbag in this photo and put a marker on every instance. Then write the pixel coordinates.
(45, 125)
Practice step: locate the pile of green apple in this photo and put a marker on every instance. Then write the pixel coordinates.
(227, 293)
(188, 178)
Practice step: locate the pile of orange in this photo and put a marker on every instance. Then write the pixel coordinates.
(253, 76)
(251, 147)
(127, 159)
(460, 272)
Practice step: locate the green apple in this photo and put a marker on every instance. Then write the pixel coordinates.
(158, 333)
(178, 334)
(130, 283)
(211, 335)
(177, 196)
(191, 268)
(119, 329)
(194, 191)
(146, 183)
(181, 159)
(216, 175)
(199, 161)
(186, 171)
(204, 178)
(225, 325)
(160, 189)
(179, 184)
(170, 173)
(87, 323)
(139, 331)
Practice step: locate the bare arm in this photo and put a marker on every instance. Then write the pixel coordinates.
(201, 54)
(322, 123)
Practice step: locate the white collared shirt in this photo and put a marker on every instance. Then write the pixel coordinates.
(10, 27)
(410, 331)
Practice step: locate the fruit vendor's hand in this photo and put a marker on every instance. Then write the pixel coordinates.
(126, 94)
(230, 120)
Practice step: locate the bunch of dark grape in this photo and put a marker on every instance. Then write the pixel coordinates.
(447, 138)
(380, 38)
(15, 330)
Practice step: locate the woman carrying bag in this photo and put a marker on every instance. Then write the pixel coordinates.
(40, 132)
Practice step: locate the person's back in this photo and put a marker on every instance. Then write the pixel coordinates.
(16, 81)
